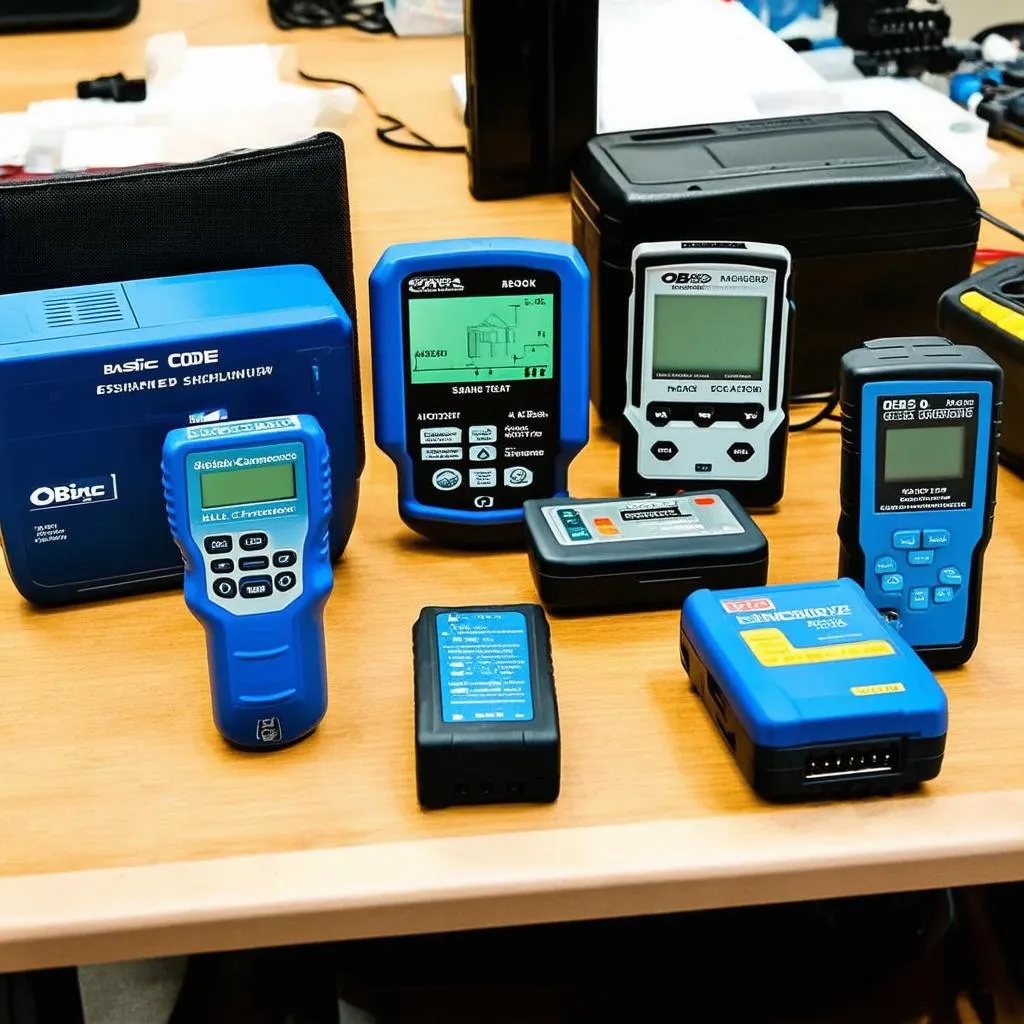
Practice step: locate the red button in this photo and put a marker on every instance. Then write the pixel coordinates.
(602, 521)
(703, 501)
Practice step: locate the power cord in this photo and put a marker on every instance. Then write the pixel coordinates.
(1002, 225)
(366, 17)
(826, 412)
(386, 131)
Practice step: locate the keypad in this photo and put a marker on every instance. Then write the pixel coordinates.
(251, 581)
(481, 451)
(911, 570)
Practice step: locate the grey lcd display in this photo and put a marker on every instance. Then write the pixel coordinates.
(714, 335)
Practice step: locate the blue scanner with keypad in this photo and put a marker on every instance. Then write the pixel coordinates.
(920, 435)
(249, 506)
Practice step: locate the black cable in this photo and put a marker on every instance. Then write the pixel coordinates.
(358, 14)
(1002, 225)
(824, 413)
(391, 124)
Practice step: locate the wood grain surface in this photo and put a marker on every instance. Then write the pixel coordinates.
(127, 827)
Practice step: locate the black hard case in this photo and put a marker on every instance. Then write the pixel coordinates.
(879, 224)
(640, 574)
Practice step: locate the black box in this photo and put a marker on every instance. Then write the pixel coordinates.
(498, 741)
(878, 222)
(679, 545)
(531, 92)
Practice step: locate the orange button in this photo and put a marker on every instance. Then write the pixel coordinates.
(703, 501)
(605, 526)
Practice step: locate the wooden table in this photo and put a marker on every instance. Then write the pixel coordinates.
(128, 829)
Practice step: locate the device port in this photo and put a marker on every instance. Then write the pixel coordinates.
(487, 788)
(514, 788)
(849, 759)
(715, 693)
(729, 737)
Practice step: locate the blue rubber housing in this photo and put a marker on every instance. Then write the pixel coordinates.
(388, 352)
(269, 665)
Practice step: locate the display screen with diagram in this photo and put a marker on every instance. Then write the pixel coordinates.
(482, 402)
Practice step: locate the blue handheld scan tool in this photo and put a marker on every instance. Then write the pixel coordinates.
(93, 378)
(480, 375)
(814, 694)
(249, 504)
(918, 486)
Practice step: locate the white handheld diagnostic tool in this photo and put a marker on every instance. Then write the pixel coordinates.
(707, 370)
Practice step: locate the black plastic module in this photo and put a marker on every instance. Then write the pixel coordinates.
(623, 553)
(486, 711)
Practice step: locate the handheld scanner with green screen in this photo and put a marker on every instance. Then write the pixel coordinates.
(249, 505)
(708, 370)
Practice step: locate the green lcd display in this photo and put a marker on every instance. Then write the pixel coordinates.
(475, 339)
(717, 335)
(247, 486)
(925, 453)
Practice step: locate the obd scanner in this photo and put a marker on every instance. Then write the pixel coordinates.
(480, 361)
(91, 381)
(918, 486)
(814, 694)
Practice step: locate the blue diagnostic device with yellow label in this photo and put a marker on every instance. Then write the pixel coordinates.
(814, 693)
(918, 485)
(480, 375)
(249, 504)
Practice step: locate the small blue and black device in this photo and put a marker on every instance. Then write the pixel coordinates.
(93, 378)
(921, 420)
(480, 377)
(486, 711)
(249, 503)
(813, 692)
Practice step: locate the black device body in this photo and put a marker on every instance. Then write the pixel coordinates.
(891, 33)
(531, 92)
(583, 559)
(987, 310)
(878, 222)
(489, 760)
(914, 367)
(1003, 108)
(62, 15)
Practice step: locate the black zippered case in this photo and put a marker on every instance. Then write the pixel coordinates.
(63, 15)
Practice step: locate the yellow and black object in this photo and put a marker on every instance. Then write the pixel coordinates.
(987, 310)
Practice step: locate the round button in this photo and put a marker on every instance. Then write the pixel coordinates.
(225, 588)
(284, 580)
(447, 479)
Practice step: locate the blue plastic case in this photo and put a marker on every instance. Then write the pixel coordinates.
(264, 625)
(93, 378)
(471, 515)
(812, 691)
(916, 514)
